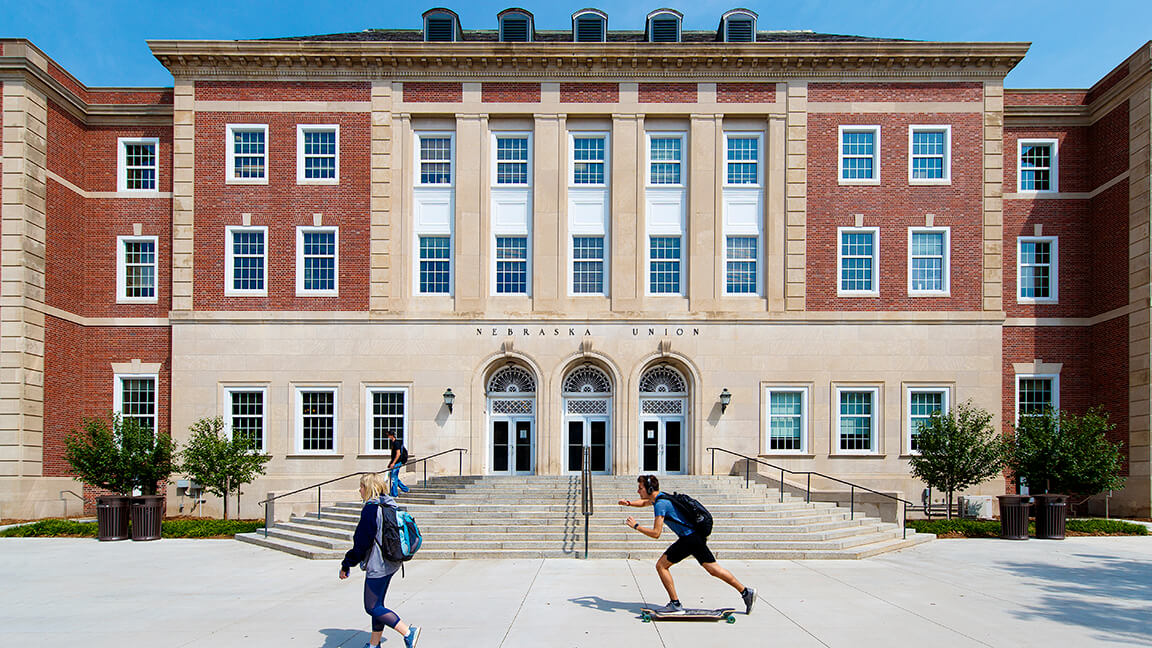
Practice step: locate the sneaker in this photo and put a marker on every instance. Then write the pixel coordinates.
(412, 637)
(673, 607)
(749, 597)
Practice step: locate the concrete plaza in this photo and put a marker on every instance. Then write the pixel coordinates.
(221, 593)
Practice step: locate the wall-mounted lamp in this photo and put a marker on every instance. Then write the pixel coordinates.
(449, 398)
(725, 398)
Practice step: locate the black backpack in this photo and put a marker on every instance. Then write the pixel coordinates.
(403, 451)
(692, 511)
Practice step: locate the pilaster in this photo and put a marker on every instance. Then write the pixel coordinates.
(470, 243)
(549, 244)
(183, 193)
(627, 220)
(796, 198)
(993, 265)
(1137, 492)
(704, 214)
(382, 279)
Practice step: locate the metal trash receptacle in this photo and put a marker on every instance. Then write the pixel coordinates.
(1051, 513)
(147, 513)
(112, 517)
(1014, 516)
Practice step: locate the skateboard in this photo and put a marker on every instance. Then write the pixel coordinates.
(689, 614)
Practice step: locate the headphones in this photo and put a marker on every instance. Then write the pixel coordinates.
(650, 483)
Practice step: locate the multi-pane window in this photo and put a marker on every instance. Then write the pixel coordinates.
(316, 419)
(435, 159)
(858, 261)
(318, 154)
(435, 264)
(859, 153)
(588, 265)
(247, 260)
(1036, 268)
(136, 399)
(246, 416)
(316, 264)
(386, 414)
(927, 261)
(136, 269)
(1035, 393)
(139, 164)
(588, 155)
(856, 418)
(665, 160)
(512, 160)
(512, 265)
(743, 160)
(740, 261)
(929, 153)
(248, 153)
(922, 404)
(1037, 170)
(787, 412)
(664, 265)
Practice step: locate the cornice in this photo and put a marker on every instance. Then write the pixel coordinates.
(400, 60)
(1047, 115)
(88, 114)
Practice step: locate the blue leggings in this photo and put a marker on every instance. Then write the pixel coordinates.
(374, 591)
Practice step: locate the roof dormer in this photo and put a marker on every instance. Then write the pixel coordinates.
(441, 25)
(516, 26)
(663, 26)
(737, 26)
(589, 26)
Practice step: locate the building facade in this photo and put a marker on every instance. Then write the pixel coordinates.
(522, 243)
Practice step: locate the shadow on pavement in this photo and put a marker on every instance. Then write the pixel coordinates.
(342, 637)
(604, 605)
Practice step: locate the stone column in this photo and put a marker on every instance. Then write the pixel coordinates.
(470, 271)
(627, 219)
(549, 263)
(183, 193)
(382, 277)
(994, 196)
(702, 249)
(796, 197)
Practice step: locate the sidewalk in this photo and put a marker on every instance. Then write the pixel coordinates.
(221, 593)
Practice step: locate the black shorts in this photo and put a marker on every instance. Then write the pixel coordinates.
(690, 545)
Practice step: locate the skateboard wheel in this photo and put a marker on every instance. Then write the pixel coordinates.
(731, 619)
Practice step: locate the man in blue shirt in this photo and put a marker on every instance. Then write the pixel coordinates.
(688, 543)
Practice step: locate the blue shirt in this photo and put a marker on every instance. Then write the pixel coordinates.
(663, 507)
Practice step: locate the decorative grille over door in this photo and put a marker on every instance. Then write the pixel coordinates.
(587, 380)
(512, 380)
(663, 380)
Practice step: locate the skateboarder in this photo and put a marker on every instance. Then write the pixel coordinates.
(687, 544)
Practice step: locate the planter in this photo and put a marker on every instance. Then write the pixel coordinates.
(112, 517)
(147, 513)
(1051, 513)
(1014, 516)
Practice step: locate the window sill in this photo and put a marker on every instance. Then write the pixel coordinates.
(317, 293)
(786, 455)
(124, 300)
(262, 293)
(862, 455)
(858, 294)
(859, 183)
(246, 181)
(318, 455)
(318, 181)
(944, 293)
(937, 182)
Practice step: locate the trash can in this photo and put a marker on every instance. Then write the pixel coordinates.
(1051, 511)
(112, 517)
(1014, 516)
(147, 512)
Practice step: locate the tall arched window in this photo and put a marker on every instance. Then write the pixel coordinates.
(511, 395)
(663, 421)
(587, 394)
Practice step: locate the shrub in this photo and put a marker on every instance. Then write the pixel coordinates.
(957, 450)
(183, 528)
(218, 463)
(1061, 452)
(120, 455)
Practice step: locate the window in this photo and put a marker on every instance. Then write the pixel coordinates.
(588, 159)
(743, 160)
(435, 164)
(1036, 269)
(316, 419)
(856, 420)
(441, 25)
(1038, 168)
(740, 258)
(246, 415)
(928, 256)
(512, 265)
(515, 27)
(135, 398)
(922, 403)
(247, 261)
(1034, 393)
(738, 26)
(664, 265)
(387, 412)
(787, 419)
(316, 260)
(929, 154)
(317, 154)
(857, 262)
(435, 265)
(136, 269)
(247, 153)
(589, 26)
(138, 163)
(859, 155)
(512, 160)
(664, 160)
(588, 265)
(664, 26)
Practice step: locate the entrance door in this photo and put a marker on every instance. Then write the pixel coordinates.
(588, 432)
(662, 445)
(512, 446)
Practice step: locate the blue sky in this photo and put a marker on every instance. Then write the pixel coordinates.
(102, 43)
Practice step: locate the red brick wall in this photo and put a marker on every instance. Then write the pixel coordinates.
(100, 165)
(66, 250)
(1105, 84)
(68, 146)
(746, 93)
(1108, 146)
(510, 92)
(1050, 98)
(433, 92)
(1071, 152)
(283, 91)
(1108, 228)
(1067, 220)
(158, 96)
(894, 206)
(589, 92)
(895, 92)
(1069, 345)
(1110, 377)
(667, 93)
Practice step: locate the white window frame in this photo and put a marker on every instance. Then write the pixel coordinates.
(229, 391)
(495, 162)
(875, 290)
(230, 153)
(1055, 378)
(575, 135)
(451, 262)
(1053, 274)
(804, 414)
(946, 262)
(369, 391)
(756, 263)
(527, 261)
(946, 402)
(855, 128)
(1054, 172)
(301, 130)
(937, 128)
(572, 261)
(420, 136)
(681, 267)
(229, 263)
(301, 291)
(298, 417)
(122, 162)
(649, 136)
(759, 137)
(877, 414)
(122, 269)
(118, 394)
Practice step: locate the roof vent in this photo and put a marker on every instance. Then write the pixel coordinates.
(737, 26)
(515, 26)
(664, 26)
(441, 25)
(589, 26)
(739, 31)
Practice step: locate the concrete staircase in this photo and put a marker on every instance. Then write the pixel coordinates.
(539, 517)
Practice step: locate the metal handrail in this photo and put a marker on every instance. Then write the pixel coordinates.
(319, 486)
(808, 493)
(586, 493)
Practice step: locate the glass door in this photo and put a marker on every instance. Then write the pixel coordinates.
(513, 446)
(587, 432)
(662, 445)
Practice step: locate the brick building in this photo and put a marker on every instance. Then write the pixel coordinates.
(523, 242)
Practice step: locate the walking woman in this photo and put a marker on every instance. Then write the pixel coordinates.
(365, 551)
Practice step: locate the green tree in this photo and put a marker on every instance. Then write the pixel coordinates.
(218, 463)
(120, 455)
(957, 450)
(1066, 453)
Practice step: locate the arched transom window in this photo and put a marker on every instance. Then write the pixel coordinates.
(512, 380)
(587, 380)
(663, 380)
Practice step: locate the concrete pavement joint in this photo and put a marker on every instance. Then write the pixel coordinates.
(643, 600)
(527, 591)
(790, 619)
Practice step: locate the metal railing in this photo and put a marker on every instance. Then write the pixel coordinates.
(808, 490)
(586, 493)
(269, 504)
